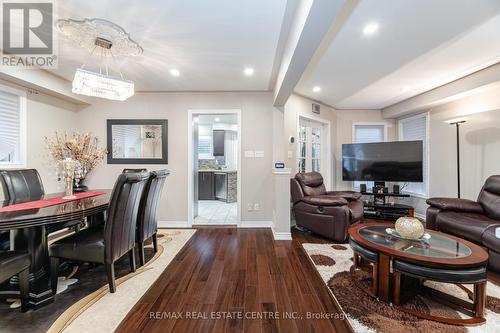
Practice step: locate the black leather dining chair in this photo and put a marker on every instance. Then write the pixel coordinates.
(134, 170)
(16, 263)
(19, 185)
(105, 245)
(26, 185)
(147, 221)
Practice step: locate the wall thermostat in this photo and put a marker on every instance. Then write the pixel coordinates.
(292, 139)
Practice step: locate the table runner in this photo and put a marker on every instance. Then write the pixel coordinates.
(47, 202)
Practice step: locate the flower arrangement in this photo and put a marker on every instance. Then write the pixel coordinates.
(81, 147)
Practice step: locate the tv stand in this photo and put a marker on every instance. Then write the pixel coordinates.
(381, 210)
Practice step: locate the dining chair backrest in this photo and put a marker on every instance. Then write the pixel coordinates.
(147, 222)
(134, 170)
(21, 184)
(120, 226)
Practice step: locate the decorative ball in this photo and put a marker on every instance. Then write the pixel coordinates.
(409, 227)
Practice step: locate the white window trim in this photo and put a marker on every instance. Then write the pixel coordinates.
(427, 151)
(22, 129)
(353, 140)
(354, 124)
(327, 155)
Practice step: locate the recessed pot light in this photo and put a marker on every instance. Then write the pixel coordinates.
(370, 29)
(248, 71)
(405, 89)
(175, 72)
(217, 119)
(316, 89)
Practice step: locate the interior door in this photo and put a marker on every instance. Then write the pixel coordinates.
(311, 146)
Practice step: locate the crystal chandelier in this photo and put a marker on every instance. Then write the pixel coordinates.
(107, 40)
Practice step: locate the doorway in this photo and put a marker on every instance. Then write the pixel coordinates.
(314, 147)
(214, 167)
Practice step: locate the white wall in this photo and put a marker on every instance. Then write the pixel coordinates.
(45, 116)
(479, 146)
(257, 121)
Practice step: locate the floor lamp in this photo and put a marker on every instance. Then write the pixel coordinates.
(457, 126)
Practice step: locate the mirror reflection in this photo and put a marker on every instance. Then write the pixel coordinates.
(137, 141)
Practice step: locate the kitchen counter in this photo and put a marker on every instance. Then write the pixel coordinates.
(215, 170)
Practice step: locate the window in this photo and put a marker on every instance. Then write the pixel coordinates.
(205, 149)
(366, 133)
(12, 127)
(414, 129)
(310, 145)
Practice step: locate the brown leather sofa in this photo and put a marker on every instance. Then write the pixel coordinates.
(474, 221)
(327, 213)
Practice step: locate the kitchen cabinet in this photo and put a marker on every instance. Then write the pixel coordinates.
(206, 186)
(218, 138)
(220, 179)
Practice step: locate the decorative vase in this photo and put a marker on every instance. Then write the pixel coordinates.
(80, 173)
(68, 171)
(409, 227)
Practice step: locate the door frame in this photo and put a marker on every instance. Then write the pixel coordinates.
(190, 182)
(328, 156)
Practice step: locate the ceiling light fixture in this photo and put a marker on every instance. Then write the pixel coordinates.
(316, 89)
(370, 29)
(217, 119)
(406, 89)
(107, 41)
(175, 72)
(248, 71)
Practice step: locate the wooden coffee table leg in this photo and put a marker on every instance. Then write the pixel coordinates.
(384, 274)
(397, 287)
(479, 299)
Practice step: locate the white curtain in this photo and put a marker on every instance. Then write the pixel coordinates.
(231, 149)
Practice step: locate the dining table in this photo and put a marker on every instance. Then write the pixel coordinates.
(28, 223)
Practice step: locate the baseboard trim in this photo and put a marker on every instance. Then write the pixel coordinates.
(255, 224)
(282, 235)
(173, 224)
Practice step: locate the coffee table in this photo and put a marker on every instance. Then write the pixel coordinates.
(442, 252)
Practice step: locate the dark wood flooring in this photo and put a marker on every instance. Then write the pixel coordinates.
(229, 272)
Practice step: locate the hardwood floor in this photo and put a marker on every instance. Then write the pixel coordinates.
(243, 277)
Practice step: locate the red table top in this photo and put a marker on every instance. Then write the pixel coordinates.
(47, 202)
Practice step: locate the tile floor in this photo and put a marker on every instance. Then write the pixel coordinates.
(216, 212)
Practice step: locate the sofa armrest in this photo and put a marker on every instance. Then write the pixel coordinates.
(348, 195)
(325, 200)
(455, 204)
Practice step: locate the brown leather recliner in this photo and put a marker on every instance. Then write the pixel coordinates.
(327, 213)
(474, 221)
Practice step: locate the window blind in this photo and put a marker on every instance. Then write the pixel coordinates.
(205, 147)
(368, 133)
(9, 127)
(415, 129)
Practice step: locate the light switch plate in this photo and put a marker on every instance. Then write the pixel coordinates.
(290, 154)
(259, 153)
(249, 154)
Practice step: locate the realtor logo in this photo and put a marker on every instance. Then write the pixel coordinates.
(27, 34)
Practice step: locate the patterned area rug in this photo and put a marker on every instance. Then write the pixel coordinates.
(366, 314)
(87, 305)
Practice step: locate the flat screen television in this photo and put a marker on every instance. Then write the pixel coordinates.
(398, 161)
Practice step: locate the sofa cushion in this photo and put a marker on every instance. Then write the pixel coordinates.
(325, 200)
(489, 197)
(356, 210)
(312, 183)
(468, 226)
(490, 240)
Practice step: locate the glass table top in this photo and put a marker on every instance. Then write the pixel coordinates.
(438, 246)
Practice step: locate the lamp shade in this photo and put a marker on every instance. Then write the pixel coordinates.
(98, 85)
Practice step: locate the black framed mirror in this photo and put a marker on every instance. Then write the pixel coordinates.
(137, 141)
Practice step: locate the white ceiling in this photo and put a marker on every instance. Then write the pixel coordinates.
(209, 41)
(420, 44)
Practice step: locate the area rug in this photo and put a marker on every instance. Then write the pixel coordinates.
(87, 305)
(366, 314)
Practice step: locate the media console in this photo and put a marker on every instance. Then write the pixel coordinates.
(381, 210)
